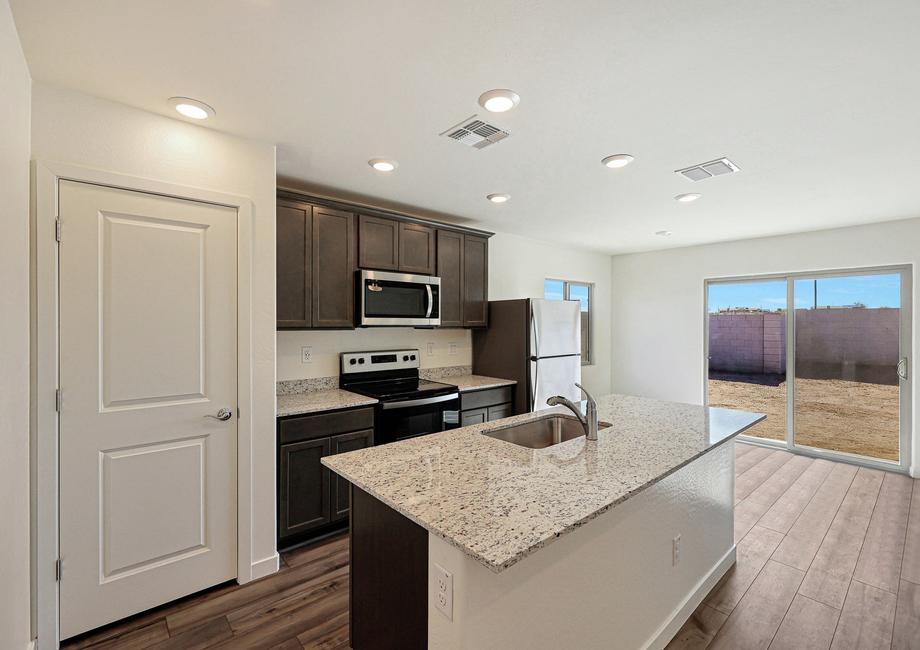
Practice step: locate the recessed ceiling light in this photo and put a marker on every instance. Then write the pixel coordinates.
(687, 198)
(499, 100)
(663, 233)
(192, 108)
(382, 164)
(498, 198)
(617, 160)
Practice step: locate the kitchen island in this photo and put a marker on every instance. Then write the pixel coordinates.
(589, 544)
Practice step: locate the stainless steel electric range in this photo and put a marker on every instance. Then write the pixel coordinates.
(408, 405)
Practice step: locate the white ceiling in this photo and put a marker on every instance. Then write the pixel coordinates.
(818, 102)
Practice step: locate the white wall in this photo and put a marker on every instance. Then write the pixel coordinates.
(15, 629)
(71, 127)
(657, 299)
(328, 344)
(519, 265)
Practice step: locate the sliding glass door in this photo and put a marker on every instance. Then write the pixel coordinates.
(824, 355)
(848, 364)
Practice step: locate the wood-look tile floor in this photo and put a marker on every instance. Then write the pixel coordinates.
(304, 605)
(828, 557)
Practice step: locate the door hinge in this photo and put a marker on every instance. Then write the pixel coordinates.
(57, 570)
(57, 399)
(57, 229)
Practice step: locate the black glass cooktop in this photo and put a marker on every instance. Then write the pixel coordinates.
(398, 389)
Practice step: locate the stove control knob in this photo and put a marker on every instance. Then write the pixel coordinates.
(353, 361)
(361, 360)
(405, 357)
(413, 357)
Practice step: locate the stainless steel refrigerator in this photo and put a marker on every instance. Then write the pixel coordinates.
(535, 342)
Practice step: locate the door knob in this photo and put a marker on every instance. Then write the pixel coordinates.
(223, 415)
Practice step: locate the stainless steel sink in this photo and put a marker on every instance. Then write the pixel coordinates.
(545, 432)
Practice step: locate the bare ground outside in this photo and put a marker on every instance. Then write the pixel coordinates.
(847, 416)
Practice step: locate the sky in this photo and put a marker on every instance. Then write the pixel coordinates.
(554, 289)
(880, 290)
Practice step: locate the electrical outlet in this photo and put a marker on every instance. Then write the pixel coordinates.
(306, 354)
(452, 348)
(430, 348)
(444, 591)
(675, 551)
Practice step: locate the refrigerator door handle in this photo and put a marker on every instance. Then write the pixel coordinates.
(534, 383)
(535, 338)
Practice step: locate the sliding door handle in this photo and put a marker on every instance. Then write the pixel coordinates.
(902, 368)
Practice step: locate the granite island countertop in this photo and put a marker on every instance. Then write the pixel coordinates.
(320, 400)
(498, 502)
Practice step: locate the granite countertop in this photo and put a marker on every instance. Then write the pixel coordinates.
(320, 400)
(468, 383)
(499, 502)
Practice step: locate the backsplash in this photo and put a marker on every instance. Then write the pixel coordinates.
(327, 345)
(295, 386)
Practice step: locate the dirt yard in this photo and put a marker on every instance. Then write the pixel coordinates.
(852, 417)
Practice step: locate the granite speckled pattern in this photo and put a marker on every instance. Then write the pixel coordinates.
(320, 400)
(499, 502)
(294, 386)
(467, 383)
(436, 374)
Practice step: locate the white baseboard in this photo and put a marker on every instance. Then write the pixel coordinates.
(266, 566)
(667, 631)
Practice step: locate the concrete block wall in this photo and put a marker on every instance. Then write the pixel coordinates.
(850, 344)
(736, 343)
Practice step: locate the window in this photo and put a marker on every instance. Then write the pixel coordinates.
(583, 292)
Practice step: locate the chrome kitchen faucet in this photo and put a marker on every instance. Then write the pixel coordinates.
(589, 420)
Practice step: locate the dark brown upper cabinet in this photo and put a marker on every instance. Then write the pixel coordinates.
(333, 268)
(294, 238)
(315, 266)
(450, 270)
(378, 243)
(392, 245)
(322, 242)
(475, 281)
(416, 248)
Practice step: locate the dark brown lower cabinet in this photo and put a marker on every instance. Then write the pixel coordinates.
(312, 500)
(304, 496)
(488, 405)
(473, 416)
(339, 445)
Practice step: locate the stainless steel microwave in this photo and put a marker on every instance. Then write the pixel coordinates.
(398, 299)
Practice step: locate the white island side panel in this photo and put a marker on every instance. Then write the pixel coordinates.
(609, 584)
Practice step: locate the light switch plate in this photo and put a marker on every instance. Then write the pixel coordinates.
(452, 348)
(443, 591)
(306, 354)
(430, 348)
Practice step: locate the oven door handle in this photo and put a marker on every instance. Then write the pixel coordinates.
(419, 402)
(430, 300)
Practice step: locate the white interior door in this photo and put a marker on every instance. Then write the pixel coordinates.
(148, 350)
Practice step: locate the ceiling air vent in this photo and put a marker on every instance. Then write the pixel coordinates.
(709, 169)
(475, 133)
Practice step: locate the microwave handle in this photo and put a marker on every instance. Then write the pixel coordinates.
(430, 301)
